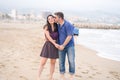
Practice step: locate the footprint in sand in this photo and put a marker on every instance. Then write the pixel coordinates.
(34, 68)
(93, 74)
(115, 74)
(2, 65)
(23, 78)
(78, 76)
(35, 62)
(85, 72)
(22, 58)
(98, 73)
(91, 67)
(7, 60)
(107, 77)
(15, 66)
(90, 76)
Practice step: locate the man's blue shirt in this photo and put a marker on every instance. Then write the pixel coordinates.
(65, 30)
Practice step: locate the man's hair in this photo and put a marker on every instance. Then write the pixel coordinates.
(59, 14)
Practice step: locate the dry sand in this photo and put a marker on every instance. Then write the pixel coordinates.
(20, 46)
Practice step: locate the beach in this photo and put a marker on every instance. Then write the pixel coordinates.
(20, 47)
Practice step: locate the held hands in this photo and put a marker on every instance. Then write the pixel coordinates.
(57, 45)
(60, 47)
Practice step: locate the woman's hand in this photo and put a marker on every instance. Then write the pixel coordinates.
(57, 45)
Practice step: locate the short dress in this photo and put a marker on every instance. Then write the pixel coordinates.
(49, 50)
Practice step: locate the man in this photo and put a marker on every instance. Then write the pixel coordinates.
(66, 43)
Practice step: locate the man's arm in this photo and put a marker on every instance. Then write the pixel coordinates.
(67, 40)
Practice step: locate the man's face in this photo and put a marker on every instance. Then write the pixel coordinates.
(56, 19)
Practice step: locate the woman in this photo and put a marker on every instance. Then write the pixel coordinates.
(49, 49)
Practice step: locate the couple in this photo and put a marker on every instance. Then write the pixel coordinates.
(59, 43)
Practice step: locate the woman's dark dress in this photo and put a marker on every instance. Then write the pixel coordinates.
(49, 50)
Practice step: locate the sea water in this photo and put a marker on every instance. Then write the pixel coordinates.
(105, 42)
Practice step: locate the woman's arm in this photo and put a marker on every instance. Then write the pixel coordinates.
(49, 37)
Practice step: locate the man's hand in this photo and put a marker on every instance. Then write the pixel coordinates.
(61, 47)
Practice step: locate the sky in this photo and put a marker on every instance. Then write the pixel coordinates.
(63, 5)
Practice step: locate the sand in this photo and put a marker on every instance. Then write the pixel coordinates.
(20, 46)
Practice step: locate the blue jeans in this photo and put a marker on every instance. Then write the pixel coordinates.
(70, 51)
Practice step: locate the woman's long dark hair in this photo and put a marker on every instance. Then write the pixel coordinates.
(49, 26)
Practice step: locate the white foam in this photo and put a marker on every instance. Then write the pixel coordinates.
(105, 42)
(112, 57)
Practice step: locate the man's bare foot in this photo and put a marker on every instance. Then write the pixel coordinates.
(62, 77)
(71, 77)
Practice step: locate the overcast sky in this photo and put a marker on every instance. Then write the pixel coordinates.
(57, 5)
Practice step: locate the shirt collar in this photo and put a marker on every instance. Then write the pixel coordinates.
(63, 23)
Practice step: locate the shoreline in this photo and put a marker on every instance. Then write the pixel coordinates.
(78, 25)
(95, 39)
(99, 66)
(20, 50)
(99, 54)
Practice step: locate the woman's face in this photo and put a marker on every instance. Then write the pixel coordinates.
(51, 19)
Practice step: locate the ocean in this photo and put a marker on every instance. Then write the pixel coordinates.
(105, 42)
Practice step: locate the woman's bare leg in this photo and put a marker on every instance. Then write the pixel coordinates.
(42, 63)
(52, 68)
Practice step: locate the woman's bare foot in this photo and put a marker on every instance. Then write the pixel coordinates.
(38, 78)
(51, 78)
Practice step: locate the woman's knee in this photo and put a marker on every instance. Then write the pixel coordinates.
(53, 61)
(43, 61)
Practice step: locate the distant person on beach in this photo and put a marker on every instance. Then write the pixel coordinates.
(76, 31)
(49, 50)
(66, 42)
(76, 34)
